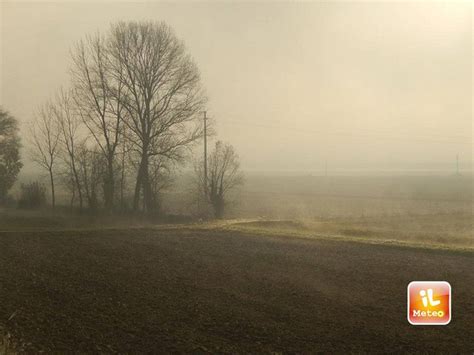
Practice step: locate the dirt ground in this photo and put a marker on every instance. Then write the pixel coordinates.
(191, 290)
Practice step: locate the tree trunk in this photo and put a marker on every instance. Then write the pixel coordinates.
(78, 185)
(109, 186)
(122, 183)
(143, 182)
(53, 197)
(218, 205)
(147, 190)
(138, 184)
(73, 196)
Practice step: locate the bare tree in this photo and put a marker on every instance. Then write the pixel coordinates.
(223, 175)
(97, 95)
(66, 178)
(69, 125)
(90, 164)
(161, 95)
(160, 173)
(45, 139)
(124, 154)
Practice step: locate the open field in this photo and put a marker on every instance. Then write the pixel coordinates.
(311, 264)
(236, 177)
(314, 197)
(193, 288)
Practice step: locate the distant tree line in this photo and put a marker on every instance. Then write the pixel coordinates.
(131, 114)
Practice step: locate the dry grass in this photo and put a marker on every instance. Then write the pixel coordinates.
(448, 230)
(431, 231)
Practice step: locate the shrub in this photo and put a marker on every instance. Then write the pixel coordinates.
(32, 195)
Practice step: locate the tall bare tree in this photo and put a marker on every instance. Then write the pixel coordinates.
(161, 95)
(69, 124)
(45, 138)
(91, 165)
(97, 95)
(223, 175)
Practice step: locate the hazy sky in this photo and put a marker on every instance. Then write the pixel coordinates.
(374, 85)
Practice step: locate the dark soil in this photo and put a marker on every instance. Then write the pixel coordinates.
(201, 291)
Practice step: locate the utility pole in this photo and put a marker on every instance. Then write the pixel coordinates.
(205, 151)
(457, 164)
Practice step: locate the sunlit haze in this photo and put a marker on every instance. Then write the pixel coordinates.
(293, 86)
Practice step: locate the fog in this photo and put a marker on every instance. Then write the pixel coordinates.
(293, 86)
(230, 177)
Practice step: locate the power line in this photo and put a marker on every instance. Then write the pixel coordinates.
(205, 151)
(305, 131)
(366, 129)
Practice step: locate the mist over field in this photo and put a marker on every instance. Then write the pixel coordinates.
(359, 85)
(234, 177)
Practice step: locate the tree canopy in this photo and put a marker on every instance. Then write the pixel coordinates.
(10, 163)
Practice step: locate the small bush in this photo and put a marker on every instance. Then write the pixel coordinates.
(8, 201)
(32, 195)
